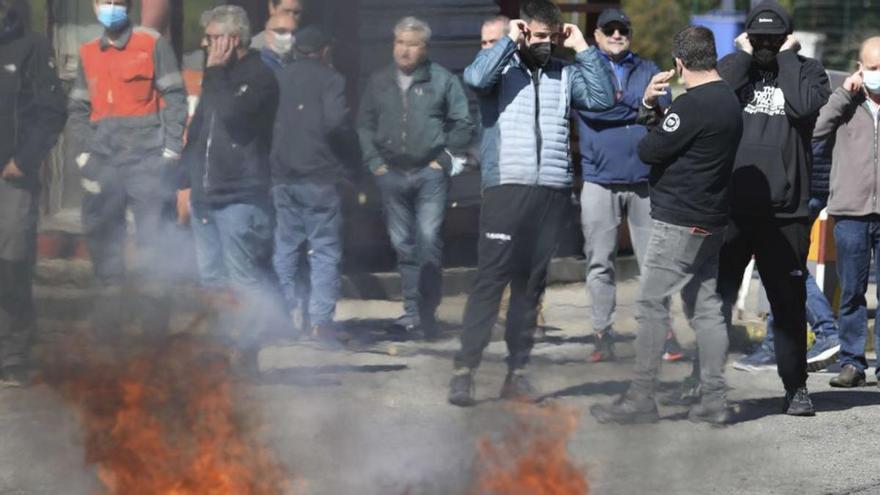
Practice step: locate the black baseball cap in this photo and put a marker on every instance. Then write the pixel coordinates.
(311, 39)
(613, 15)
(768, 17)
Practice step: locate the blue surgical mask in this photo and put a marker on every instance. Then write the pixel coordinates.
(113, 17)
(872, 80)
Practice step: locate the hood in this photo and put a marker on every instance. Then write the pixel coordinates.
(769, 17)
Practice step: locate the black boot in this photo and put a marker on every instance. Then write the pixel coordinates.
(461, 388)
(630, 408)
(798, 403)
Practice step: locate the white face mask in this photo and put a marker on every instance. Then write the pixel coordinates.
(282, 43)
(872, 80)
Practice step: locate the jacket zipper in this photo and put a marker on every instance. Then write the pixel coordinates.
(539, 139)
(205, 182)
(876, 154)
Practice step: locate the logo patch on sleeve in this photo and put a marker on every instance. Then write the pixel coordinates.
(672, 122)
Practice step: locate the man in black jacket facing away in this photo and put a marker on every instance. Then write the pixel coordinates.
(228, 160)
(32, 115)
(314, 139)
(781, 94)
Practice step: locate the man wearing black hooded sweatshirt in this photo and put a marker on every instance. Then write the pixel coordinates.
(781, 94)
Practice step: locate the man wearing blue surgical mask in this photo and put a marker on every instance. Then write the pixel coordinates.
(852, 115)
(127, 110)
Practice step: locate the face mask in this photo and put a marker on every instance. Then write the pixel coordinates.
(765, 56)
(540, 53)
(282, 43)
(113, 17)
(872, 80)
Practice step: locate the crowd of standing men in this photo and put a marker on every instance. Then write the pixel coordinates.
(264, 152)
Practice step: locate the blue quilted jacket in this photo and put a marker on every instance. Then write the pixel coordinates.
(525, 115)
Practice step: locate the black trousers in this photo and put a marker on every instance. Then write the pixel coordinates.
(780, 248)
(519, 230)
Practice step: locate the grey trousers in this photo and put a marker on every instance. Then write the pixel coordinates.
(602, 211)
(681, 259)
(18, 235)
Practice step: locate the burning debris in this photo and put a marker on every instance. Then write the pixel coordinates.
(163, 418)
(532, 457)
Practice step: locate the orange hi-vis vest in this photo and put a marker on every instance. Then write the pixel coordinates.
(120, 82)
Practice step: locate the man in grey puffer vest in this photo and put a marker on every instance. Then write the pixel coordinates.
(526, 97)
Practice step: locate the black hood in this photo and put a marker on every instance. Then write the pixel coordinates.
(768, 17)
(11, 26)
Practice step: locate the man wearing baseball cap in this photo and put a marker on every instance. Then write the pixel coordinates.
(781, 94)
(615, 179)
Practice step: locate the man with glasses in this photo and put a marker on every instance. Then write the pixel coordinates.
(290, 8)
(781, 94)
(615, 179)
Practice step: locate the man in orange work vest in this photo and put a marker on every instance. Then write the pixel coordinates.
(128, 109)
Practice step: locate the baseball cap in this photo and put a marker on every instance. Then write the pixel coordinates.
(612, 15)
(311, 39)
(767, 22)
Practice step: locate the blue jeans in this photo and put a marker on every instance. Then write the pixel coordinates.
(309, 213)
(233, 244)
(820, 316)
(415, 206)
(856, 239)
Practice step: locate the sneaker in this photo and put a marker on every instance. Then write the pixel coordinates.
(627, 410)
(711, 410)
(761, 360)
(673, 351)
(823, 353)
(517, 387)
(849, 377)
(688, 394)
(461, 388)
(603, 349)
(798, 403)
(14, 377)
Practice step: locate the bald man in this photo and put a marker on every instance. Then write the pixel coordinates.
(853, 116)
(493, 30)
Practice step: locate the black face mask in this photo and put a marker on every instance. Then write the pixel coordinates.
(765, 56)
(540, 53)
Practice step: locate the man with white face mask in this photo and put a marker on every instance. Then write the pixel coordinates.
(278, 50)
(853, 115)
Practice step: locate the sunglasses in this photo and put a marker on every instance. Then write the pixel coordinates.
(609, 30)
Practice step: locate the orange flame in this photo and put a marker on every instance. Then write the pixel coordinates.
(532, 457)
(163, 419)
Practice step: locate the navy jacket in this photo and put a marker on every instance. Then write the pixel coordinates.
(609, 140)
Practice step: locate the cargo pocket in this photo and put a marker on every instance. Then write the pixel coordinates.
(760, 179)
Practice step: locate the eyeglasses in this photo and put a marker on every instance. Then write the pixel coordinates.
(609, 30)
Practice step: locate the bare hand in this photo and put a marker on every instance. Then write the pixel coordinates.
(791, 43)
(382, 170)
(11, 171)
(574, 38)
(518, 31)
(742, 42)
(854, 83)
(220, 51)
(658, 87)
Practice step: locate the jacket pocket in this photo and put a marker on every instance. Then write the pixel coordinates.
(137, 78)
(760, 179)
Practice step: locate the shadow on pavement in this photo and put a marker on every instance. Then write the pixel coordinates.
(312, 375)
(825, 401)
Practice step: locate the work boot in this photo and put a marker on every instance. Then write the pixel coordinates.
(14, 376)
(849, 377)
(629, 408)
(798, 403)
(711, 409)
(603, 349)
(687, 394)
(461, 388)
(517, 387)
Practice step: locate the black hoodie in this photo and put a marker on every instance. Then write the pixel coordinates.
(32, 102)
(780, 105)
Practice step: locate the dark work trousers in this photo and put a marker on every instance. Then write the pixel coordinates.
(519, 231)
(142, 187)
(18, 234)
(780, 249)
